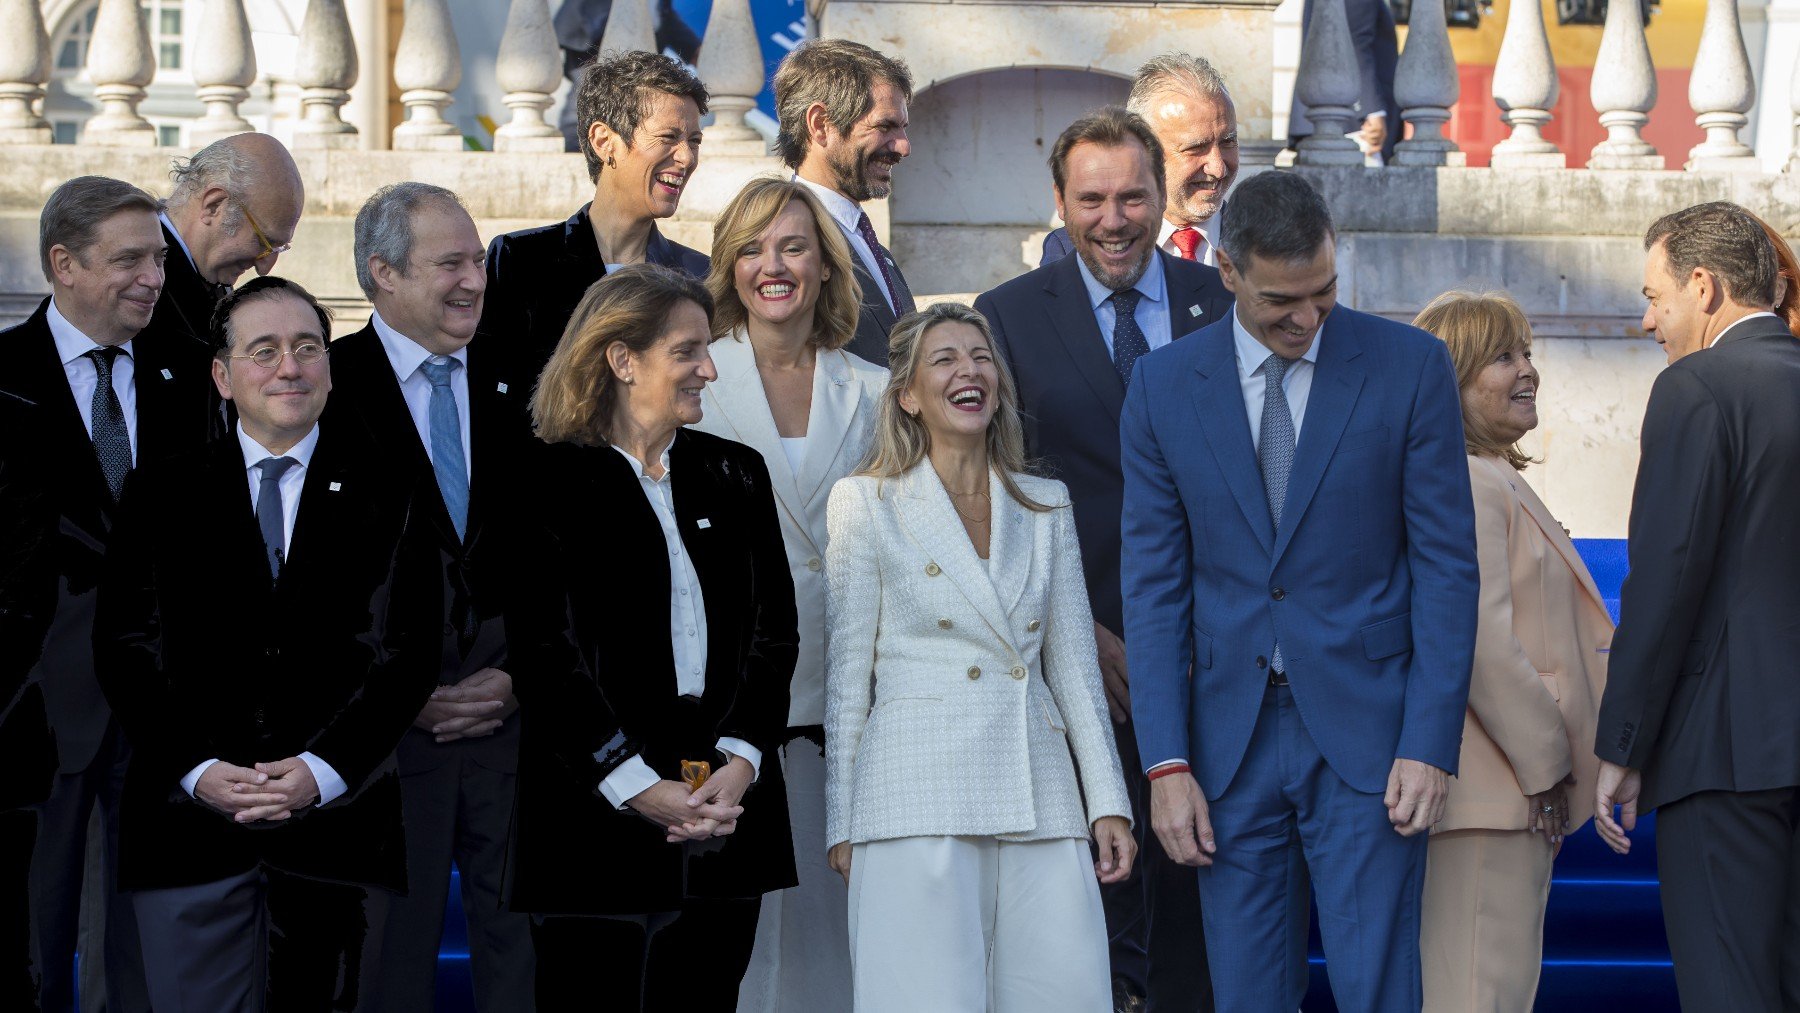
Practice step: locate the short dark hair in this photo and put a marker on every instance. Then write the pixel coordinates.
(1277, 216)
(615, 90)
(267, 287)
(1726, 240)
(1111, 127)
(72, 216)
(838, 73)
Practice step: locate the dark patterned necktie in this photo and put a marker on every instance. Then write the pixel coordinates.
(1128, 339)
(270, 516)
(112, 444)
(900, 302)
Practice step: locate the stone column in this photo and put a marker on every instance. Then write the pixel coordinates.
(1426, 88)
(326, 70)
(1722, 92)
(427, 68)
(24, 70)
(224, 66)
(1525, 89)
(1329, 84)
(731, 65)
(629, 27)
(1624, 91)
(121, 65)
(528, 69)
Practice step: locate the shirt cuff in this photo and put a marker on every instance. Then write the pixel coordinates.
(192, 780)
(331, 786)
(1164, 763)
(627, 781)
(752, 755)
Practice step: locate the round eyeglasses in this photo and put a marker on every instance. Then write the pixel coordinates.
(268, 356)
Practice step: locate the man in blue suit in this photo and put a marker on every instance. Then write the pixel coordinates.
(1300, 593)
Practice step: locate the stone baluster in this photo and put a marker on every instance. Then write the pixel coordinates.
(24, 69)
(528, 70)
(629, 27)
(1328, 85)
(1426, 87)
(1793, 164)
(1624, 91)
(1721, 91)
(1525, 89)
(121, 65)
(731, 64)
(224, 66)
(427, 68)
(326, 70)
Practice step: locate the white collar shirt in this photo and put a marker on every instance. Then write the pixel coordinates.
(847, 213)
(408, 357)
(1252, 355)
(72, 348)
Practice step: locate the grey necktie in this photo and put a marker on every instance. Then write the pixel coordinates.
(1275, 451)
(269, 509)
(112, 444)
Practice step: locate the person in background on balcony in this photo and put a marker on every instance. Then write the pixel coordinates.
(451, 412)
(1184, 101)
(959, 802)
(640, 133)
(653, 631)
(842, 108)
(1787, 283)
(106, 396)
(1540, 665)
(786, 301)
(1377, 45)
(1701, 701)
(234, 207)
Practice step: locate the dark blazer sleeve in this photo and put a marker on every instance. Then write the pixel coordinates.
(759, 713)
(1056, 247)
(502, 312)
(1677, 508)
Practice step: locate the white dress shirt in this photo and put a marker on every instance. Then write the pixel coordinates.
(1151, 314)
(291, 482)
(1209, 230)
(847, 213)
(407, 357)
(72, 347)
(687, 634)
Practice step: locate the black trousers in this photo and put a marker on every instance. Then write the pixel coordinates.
(18, 972)
(1729, 863)
(687, 961)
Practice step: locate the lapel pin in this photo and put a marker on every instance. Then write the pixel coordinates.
(501, 387)
(168, 375)
(337, 487)
(704, 523)
(1195, 311)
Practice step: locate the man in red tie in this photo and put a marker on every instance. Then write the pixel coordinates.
(1185, 102)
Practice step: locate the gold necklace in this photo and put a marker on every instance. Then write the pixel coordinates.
(973, 520)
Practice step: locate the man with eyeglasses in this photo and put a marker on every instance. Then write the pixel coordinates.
(261, 655)
(102, 397)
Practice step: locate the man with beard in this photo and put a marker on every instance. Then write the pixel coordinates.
(1185, 102)
(843, 129)
(1070, 331)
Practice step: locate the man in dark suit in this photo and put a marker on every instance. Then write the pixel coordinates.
(1070, 345)
(234, 208)
(1185, 102)
(265, 657)
(842, 108)
(449, 412)
(1701, 702)
(640, 129)
(1377, 45)
(102, 398)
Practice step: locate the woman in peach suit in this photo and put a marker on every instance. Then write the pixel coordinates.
(1540, 666)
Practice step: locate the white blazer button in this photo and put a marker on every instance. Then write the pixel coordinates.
(974, 671)
(931, 570)
(1018, 671)
(944, 624)
(1032, 626)
(813, 564)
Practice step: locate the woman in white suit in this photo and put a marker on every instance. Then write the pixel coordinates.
(786, 302)
(968, 746)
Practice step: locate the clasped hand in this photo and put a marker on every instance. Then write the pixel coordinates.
(469, 709)
(268, 791)
(711, 811)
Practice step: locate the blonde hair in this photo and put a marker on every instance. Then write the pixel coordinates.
(743, 221)
(902, 441)
(1477, 328)
(577, 392)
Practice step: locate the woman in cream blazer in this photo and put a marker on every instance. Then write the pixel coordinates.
(785, 300)
(1540, 667)
(967, 741)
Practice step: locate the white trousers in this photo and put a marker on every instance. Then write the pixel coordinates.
(977, 925)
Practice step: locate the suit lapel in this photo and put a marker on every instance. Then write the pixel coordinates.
(242, 538)
(368, 382)
(738, 393)
(188, 294)
(1337, 380)
(872, 302)
(1009, 548)
(164, 391)
(1218, 401)
(1553, 532)
(836, 398)
(497, 396)
(934, 525)
(1188, 297)
(1072, 318)
(40, 379)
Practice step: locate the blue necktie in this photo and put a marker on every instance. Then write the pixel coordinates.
(269, 509)
(446, 443)
(1275, 452)
(1128, 338)
(112, 444)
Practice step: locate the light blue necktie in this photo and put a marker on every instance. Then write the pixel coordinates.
(446, 443)
(1275, 452)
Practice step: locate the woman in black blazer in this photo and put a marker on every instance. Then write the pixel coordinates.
(653, 629)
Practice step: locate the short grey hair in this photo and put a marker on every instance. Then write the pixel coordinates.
(72, 216)
(1175, 72)
(384, 226)
(221, 164)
